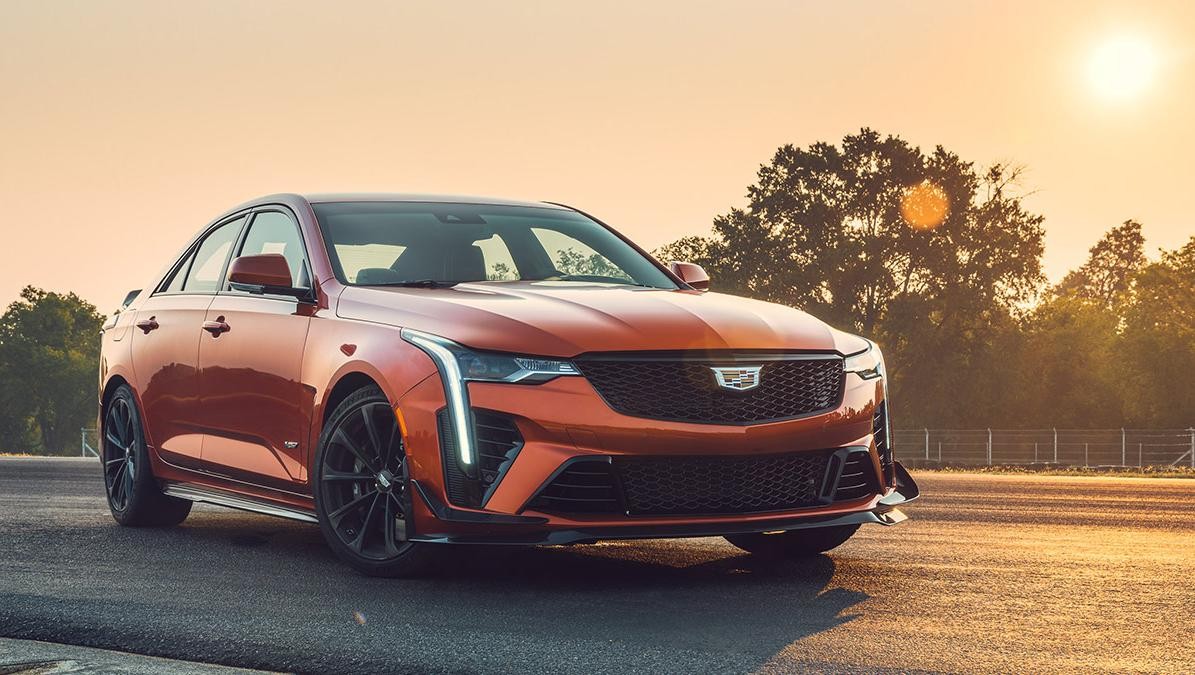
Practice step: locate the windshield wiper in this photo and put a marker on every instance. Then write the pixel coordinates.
(421, 283)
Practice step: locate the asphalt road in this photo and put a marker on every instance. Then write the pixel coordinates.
(992, 573)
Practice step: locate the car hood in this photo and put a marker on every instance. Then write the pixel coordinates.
(567, 319)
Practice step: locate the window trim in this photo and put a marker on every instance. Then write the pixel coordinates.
(187, 258)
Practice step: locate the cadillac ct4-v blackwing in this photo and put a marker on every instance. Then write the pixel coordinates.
(412, 372)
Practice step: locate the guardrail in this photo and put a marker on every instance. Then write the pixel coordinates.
(1070, 447)
(979, 447)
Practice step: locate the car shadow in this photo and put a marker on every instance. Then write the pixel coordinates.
(700, 596)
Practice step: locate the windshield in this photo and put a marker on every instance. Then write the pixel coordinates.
(431, 244)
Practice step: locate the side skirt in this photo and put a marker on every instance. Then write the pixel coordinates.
(207, 495)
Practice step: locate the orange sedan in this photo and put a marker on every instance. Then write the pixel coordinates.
(411, 372)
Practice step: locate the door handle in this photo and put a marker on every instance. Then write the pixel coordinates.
(216, 327)
(146, 325)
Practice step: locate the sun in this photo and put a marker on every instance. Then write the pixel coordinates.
(1122, 68)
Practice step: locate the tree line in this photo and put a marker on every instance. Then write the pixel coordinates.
(937, 260)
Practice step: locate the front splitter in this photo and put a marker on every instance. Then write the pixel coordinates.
(885, 513)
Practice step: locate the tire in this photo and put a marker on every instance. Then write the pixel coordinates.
(134, 496)
(361, 488)
(795, 543)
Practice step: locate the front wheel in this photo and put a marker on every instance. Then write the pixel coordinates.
(134, 496)
(795, 543)
(361, 489)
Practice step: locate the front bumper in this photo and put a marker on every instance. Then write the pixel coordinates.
(565, 419)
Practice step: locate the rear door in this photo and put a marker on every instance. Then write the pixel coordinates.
(166, 346)
(250, 368)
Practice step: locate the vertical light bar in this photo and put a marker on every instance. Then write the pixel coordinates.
(454, 390)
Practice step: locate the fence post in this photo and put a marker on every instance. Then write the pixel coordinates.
(989, 447)
(939, 451)
(1140, 447)
(1035, 452)
(1192, 447)
(1085, 455)
(1055, 445)
(82, 442)
(1122, 457)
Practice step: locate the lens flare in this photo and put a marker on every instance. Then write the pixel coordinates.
(1122, 68)
(924, 206)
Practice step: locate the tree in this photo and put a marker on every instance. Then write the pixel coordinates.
(1113, 263)
(1155, 364)
(921, 251)
(49, 355)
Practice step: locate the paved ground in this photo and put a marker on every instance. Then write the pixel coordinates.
(993, 573)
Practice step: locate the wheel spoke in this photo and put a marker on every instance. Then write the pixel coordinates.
(343, 440)
(117, 442)
(359, 543)
(372, 429)
(128, 482)
(110, 462)
(390, 445)
(128, 426)
(336, 516)
(118, 485)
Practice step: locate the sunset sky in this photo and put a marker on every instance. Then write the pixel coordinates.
(126, 126)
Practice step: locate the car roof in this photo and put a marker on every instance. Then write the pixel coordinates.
(326, 197)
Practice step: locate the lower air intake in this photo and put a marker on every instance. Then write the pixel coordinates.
(693, 485)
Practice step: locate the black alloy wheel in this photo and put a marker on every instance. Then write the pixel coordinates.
(134, 496)
(362, 485)
(119, 457)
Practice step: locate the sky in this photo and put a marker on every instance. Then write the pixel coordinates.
(125, 127)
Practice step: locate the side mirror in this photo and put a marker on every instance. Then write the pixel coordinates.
(691, 274)
(265, 273)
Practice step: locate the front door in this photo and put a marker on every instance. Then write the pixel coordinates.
(250, 360)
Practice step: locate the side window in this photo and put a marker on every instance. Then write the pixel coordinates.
(208, 264)
(275, 232)
(572, 257)
(179, 275)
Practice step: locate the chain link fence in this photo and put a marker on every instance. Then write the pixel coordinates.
(1066, 447)
(985, 447)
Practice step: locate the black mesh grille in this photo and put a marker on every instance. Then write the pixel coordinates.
(663, 486)
(858, 477)
(685, 390)
(583, 486)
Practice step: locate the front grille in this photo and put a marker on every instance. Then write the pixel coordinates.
(692, 485)
(858, 478)
(685, 390)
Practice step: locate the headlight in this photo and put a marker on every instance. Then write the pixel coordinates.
(458, 364)
(867, 364)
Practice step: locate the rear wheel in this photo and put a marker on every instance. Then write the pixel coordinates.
(795, 543)
(134, 496)
(361, 488)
